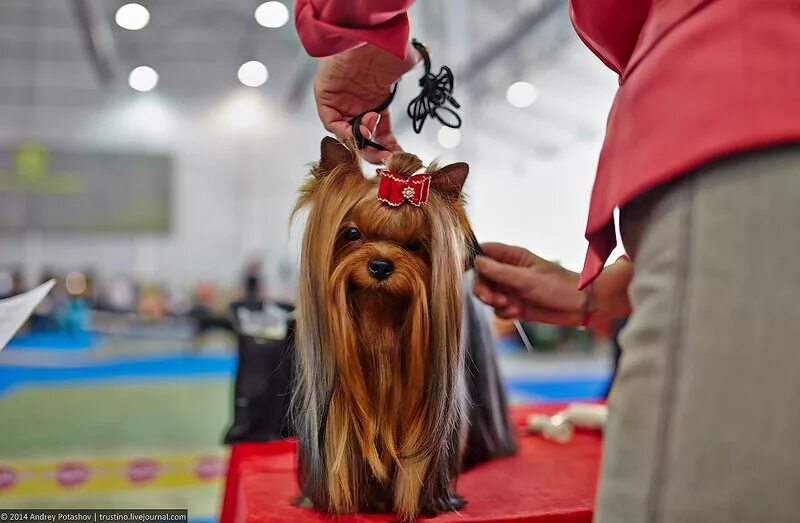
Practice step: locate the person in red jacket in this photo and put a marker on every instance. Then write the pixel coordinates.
(702, 157)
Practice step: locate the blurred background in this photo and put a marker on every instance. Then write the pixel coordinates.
(149, 158)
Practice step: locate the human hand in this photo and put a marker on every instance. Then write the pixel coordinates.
(349, 83)
(519, 284)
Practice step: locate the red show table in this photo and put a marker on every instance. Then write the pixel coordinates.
(545, 482)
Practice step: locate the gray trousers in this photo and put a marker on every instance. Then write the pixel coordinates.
(704, 417)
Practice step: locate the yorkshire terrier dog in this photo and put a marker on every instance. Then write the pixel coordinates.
(395, 392)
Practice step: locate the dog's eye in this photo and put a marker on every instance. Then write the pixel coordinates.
(414, 245)
(352, 234)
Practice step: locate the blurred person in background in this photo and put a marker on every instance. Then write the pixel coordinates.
(207, 313)
(177, 300)
(701, 156)
(118, 295)
(73, 316)
(151, 304)
(11, 283)
(252, 298)
(252, 295)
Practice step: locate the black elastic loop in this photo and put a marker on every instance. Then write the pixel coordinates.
(433, 100)
(361, 140)
(437, 91)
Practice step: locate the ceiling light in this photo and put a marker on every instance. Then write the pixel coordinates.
(272, 14)
(132, 17)
(253, 73)
(449, 138)
(143, 78)
(521, 94)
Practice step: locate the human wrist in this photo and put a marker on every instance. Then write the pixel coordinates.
(610, 290)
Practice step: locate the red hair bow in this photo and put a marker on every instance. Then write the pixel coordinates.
(395, 189)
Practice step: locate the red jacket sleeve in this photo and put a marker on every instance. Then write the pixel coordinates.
(609, 28)
(327, 27)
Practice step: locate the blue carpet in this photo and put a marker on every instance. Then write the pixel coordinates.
(561, 389)
(194, 366)
(173, 367)
(54, 341)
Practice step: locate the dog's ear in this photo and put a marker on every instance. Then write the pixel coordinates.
(334, 153)
(449, 180)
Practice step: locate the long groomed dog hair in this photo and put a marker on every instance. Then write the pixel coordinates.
(385, 391)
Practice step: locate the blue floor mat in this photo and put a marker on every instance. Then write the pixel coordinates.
(558, 389)
(173, 367)
(197, 366)
(54, 341)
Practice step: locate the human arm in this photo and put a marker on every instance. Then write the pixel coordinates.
(364, 50)
(519, 284)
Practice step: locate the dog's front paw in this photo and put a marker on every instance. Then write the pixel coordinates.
(449, 502)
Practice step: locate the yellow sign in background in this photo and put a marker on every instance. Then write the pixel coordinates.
(39, 478)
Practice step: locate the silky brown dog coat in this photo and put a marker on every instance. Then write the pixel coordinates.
(385, 399)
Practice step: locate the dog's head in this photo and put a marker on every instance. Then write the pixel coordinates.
(393, 244)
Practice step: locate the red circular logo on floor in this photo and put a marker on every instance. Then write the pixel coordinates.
(8, 478)
(141, 471)
(72, 474)
(209, 467)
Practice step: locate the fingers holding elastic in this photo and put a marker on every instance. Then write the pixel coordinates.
(383, 136)
(344, 132)
(369, 124)
(365, 132)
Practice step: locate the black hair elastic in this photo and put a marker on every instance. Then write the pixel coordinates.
(361, 140)
(433, 101)
(437, 92)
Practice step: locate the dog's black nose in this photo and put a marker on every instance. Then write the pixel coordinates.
(380, 268)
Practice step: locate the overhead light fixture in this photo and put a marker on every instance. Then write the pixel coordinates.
(449, 138)
(272, 14)
(132, 17)
(143, 78)
(521, 94)
(253, 73)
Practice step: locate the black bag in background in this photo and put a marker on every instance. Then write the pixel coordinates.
(262, 390)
